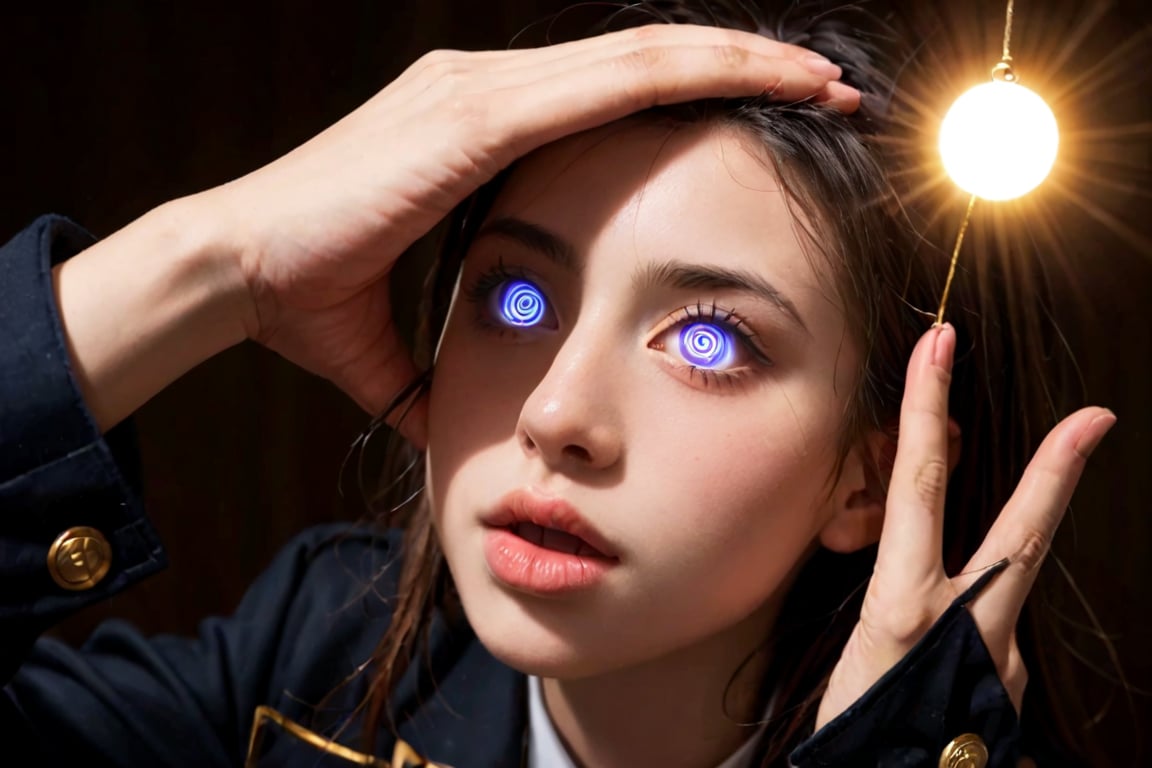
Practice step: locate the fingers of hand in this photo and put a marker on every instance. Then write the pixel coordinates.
(1024, 530)
(839, 96)
(357, 346)
(546, 93)
(667, 36)
(736, 50)
(393, 375)
(664, 40)
(911, 540)
(668, 63)
(412, 421)
(578, 99)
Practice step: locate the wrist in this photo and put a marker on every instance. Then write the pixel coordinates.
(145, 305)
(203, 263)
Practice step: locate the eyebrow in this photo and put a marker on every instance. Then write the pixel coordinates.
(553, 247)
(682, 276)
(672, 274)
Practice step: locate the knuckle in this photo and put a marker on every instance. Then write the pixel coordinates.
(1049, 472)
(435, 55)
(444, 67)
(931, 481)
(432, 59)
(732, 56)
(645, 59)
(1057, 477)
(636, 69)
(446, 74)
(940, 376)
(1033, 549)
(646, 33)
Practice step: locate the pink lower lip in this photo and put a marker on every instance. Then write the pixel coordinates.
(523, 566)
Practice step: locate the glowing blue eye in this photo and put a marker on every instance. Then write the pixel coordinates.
(707, 345)
(521, 304)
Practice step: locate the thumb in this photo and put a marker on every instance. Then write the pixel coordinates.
(385, 379)
(364, 355)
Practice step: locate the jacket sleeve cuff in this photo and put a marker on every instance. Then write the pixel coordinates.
(946, 687)
(56, 470)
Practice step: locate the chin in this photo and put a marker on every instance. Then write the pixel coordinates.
(536, 651)
(542, 637)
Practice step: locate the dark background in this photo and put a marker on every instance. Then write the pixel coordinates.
(109, 108)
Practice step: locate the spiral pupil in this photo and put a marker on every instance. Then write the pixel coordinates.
(705, 344)
(521, 304)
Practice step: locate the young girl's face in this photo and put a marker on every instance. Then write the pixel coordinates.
(636, 405)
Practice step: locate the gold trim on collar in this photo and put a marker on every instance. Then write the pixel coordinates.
(403, 756)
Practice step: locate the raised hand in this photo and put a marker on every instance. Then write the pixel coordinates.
(909, 589)
(317, 231)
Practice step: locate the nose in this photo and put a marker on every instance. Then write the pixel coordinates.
(571, 420)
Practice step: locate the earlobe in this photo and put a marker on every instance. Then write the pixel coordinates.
(863, 489)
(853, 529)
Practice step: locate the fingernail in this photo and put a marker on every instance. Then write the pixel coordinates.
(953, 429)
(1094, 433)
(944, 347)
(818, 65)
(843, 97)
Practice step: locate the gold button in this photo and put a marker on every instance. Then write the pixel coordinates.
(965, 751)
(79, 558)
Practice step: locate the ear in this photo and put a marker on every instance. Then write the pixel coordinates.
(862, 491)
(857, 513)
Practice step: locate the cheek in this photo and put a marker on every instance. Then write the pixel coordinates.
(740, 490)
(474, 404)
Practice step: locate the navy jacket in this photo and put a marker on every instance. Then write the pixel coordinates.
(299, 638)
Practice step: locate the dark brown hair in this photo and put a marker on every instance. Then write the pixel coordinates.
(887, 266)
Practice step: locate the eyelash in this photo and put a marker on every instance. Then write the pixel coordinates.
(482, 289)
(491, 279)
(732, 323)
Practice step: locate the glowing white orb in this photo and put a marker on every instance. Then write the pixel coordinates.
(999, 140)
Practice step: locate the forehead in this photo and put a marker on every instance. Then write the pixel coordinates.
(696, 193)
